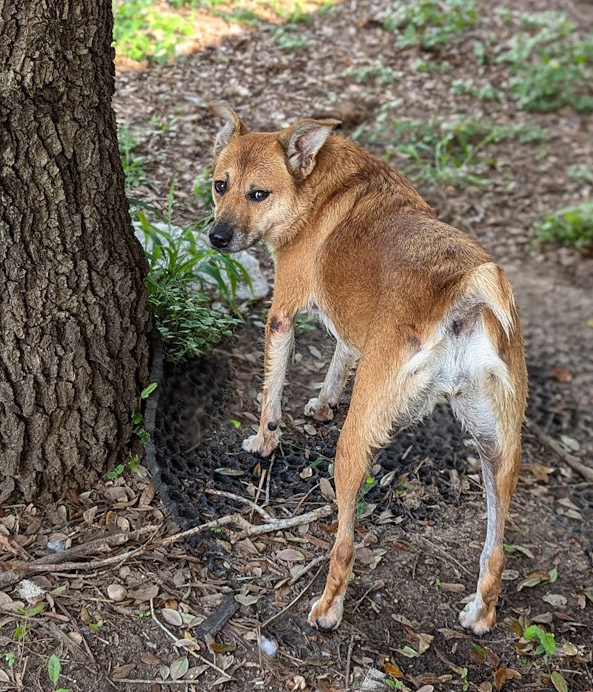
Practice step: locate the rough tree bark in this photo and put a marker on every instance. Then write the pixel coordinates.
(73, 310)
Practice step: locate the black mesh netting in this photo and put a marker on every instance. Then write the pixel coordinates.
(196, 444)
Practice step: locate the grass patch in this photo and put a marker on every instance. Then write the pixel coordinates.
(551, 66)
(484, 91)
(375, 72)
(571, 226)
(429, 23)
(154, 30)
(453, 151)
(149, 30)
(288, 38)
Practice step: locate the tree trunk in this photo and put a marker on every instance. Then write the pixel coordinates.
(73, 312)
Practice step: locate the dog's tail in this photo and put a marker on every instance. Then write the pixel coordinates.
(486, 286)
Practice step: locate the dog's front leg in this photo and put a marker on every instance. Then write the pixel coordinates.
(279, 341)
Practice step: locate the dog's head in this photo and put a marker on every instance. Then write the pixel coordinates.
(257, 179)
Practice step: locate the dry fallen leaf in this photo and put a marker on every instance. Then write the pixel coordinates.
(122, 672)
(290, 555)
(326, 489)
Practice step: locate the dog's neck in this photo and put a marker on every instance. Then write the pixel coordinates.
(344, 173)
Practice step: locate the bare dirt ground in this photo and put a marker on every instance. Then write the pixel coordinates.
(422, 520)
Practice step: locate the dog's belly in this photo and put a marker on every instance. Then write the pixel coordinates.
(334, 325)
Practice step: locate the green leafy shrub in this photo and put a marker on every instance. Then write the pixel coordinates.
(373, 72)
(451, 151)
(149, 30)
(572, 226)
(553, 67)
(183, 273)
(483, 92)
(429, 23)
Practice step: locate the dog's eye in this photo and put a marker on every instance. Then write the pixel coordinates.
(258, 195)
(220, 187)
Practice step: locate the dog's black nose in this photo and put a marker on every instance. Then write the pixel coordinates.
(221, 235)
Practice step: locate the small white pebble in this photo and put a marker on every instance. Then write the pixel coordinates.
(268, 646)
(117, 592)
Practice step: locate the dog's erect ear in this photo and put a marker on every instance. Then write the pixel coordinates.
(233, 127)
(302, 141)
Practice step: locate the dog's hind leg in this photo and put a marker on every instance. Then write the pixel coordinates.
(492, 412)
(322, 407)
(377, 401)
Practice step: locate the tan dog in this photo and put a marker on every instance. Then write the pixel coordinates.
(420, 304)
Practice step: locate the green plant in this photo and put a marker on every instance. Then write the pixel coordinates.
(132, 158)
(306, 323)
(547, 643)
(182, 275)
(580, 173)
(572, 226)
(134, 462)
(373, 72)
(137, 426)
(149, 30)
(552, 67)
(431, 66)
(452, 151)
(429, 23)
(288, 38)
(54, 668)
(203, 188)
(484, 92)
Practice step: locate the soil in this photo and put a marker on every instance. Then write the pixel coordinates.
(422, 524)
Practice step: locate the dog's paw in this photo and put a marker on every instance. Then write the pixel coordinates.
(326, 618)
(260, 444)
(318, 410)
(476, 618)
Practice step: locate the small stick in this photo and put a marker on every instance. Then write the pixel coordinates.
(156, 682)
(573, 462)
(215, 523)
(288, 523)
(314, 562)
(294, 600)
(192, 653)
(93, 564)
(231, 496)
(349, 661)
(442, 554)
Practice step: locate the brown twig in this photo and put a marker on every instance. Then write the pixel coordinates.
(442, 554)
(349, 661)
(231, 496)
(288, 523)
(294, 600)
(573, 462)
(307, 568)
